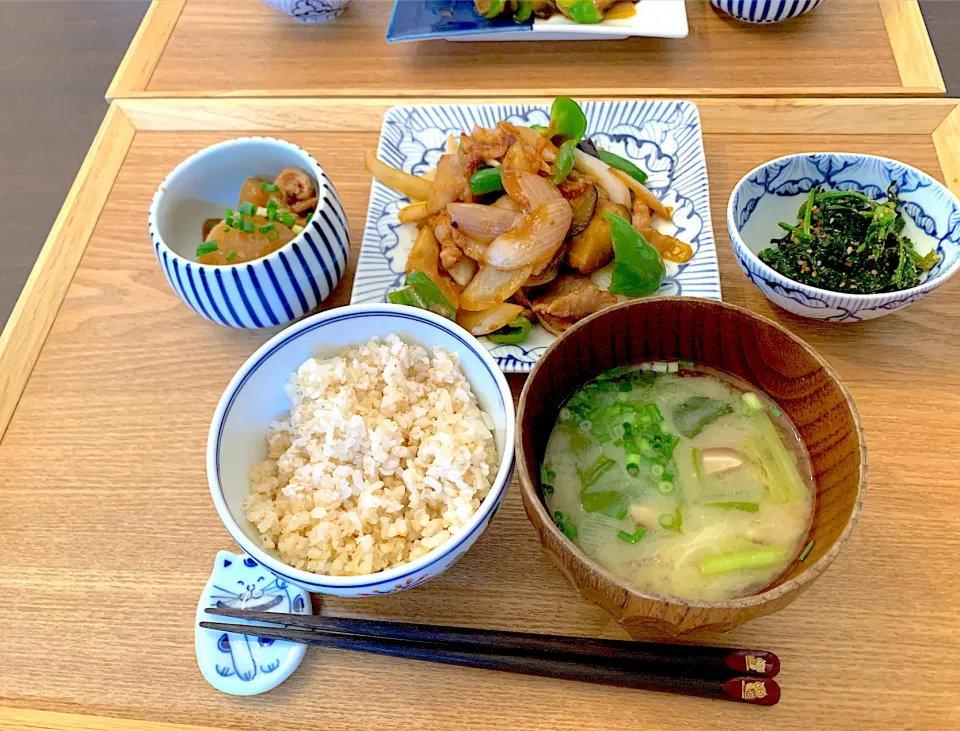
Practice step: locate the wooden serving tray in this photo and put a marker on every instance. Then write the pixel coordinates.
(240, 48)
(108, 383)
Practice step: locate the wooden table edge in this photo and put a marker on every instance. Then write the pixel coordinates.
(145, 50)
(906, 32)
(19, 719)
(25, 333)
(33, 315)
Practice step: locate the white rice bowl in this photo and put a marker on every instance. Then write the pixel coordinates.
(384, 456)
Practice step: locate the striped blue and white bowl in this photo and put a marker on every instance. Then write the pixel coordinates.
(255, 397)
(274, 290)
(765, 11)
(774, 191)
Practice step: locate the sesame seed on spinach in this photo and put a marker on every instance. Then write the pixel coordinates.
(846, 242)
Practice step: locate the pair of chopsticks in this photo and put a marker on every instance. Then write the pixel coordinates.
(711, 672)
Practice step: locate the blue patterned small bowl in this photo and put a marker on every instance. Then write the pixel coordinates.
(255, 397)
(774, 192)
(765, 11)
(274, 290)
(309, 11)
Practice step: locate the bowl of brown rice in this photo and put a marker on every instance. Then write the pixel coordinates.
(363, 450)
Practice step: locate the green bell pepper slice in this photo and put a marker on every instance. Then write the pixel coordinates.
(638, 270)
(422, 292)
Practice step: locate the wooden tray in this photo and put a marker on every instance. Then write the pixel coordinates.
(109, 531)
(215, 48)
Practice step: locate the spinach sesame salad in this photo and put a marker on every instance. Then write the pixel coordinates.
(844, 241)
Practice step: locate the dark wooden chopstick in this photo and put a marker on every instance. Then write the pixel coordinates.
(759, 691)
(685, 660)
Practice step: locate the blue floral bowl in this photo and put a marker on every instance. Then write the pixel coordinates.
(309, 11)
(765, 11)
(255, 397)
(774, 192)
(273, 290)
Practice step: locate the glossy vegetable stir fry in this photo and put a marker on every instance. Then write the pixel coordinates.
(679, 480)
(844, 241)
(268, 215)
(579, 11)
(515, 222)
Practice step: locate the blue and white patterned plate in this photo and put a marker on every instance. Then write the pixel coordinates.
(457, 20)
(662, 137)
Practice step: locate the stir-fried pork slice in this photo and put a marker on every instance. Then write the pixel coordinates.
(573, 297)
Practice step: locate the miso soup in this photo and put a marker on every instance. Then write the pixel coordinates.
(681, 480)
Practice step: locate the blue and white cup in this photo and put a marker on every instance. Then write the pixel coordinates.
(273, 290)
(765, 11)
(309, 11)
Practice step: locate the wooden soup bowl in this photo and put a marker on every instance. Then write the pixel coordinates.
(731, 339)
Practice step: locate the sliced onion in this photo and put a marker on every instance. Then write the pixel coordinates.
(539, 235)
(491, 286)
(536, 190)
(449, 184)
(519, 159)
(463, 271)
(409, 185)
(507, 203)
(615, 187)
(643, 193)
(488, 320)
(482, 223)
(413, 212)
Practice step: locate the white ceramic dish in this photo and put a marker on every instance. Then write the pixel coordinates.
(774, 191)
(255, 397)
(653, 19)
(457, 20)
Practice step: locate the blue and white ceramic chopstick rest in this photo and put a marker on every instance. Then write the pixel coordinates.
(241, 664)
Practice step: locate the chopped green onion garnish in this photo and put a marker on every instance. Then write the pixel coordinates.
(671, 522)
(267, 227)
(666, 487)
(752, 401)
(558, 515)
(248, 225)
(754, 559)
(287, 219)
(806, 551)
(297, 230)
(271, 214)
(622, 514)
(268, 187)
(309, 217)
(262, 212)
(207, 247)
(632, 538)
(247, 208)
(231, 256)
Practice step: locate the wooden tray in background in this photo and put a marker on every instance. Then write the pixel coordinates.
(109, 531)
(240, 48)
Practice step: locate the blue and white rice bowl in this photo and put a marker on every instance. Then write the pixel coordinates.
(765, 11)
(255, 397)
(274, 290)
(774, 192)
